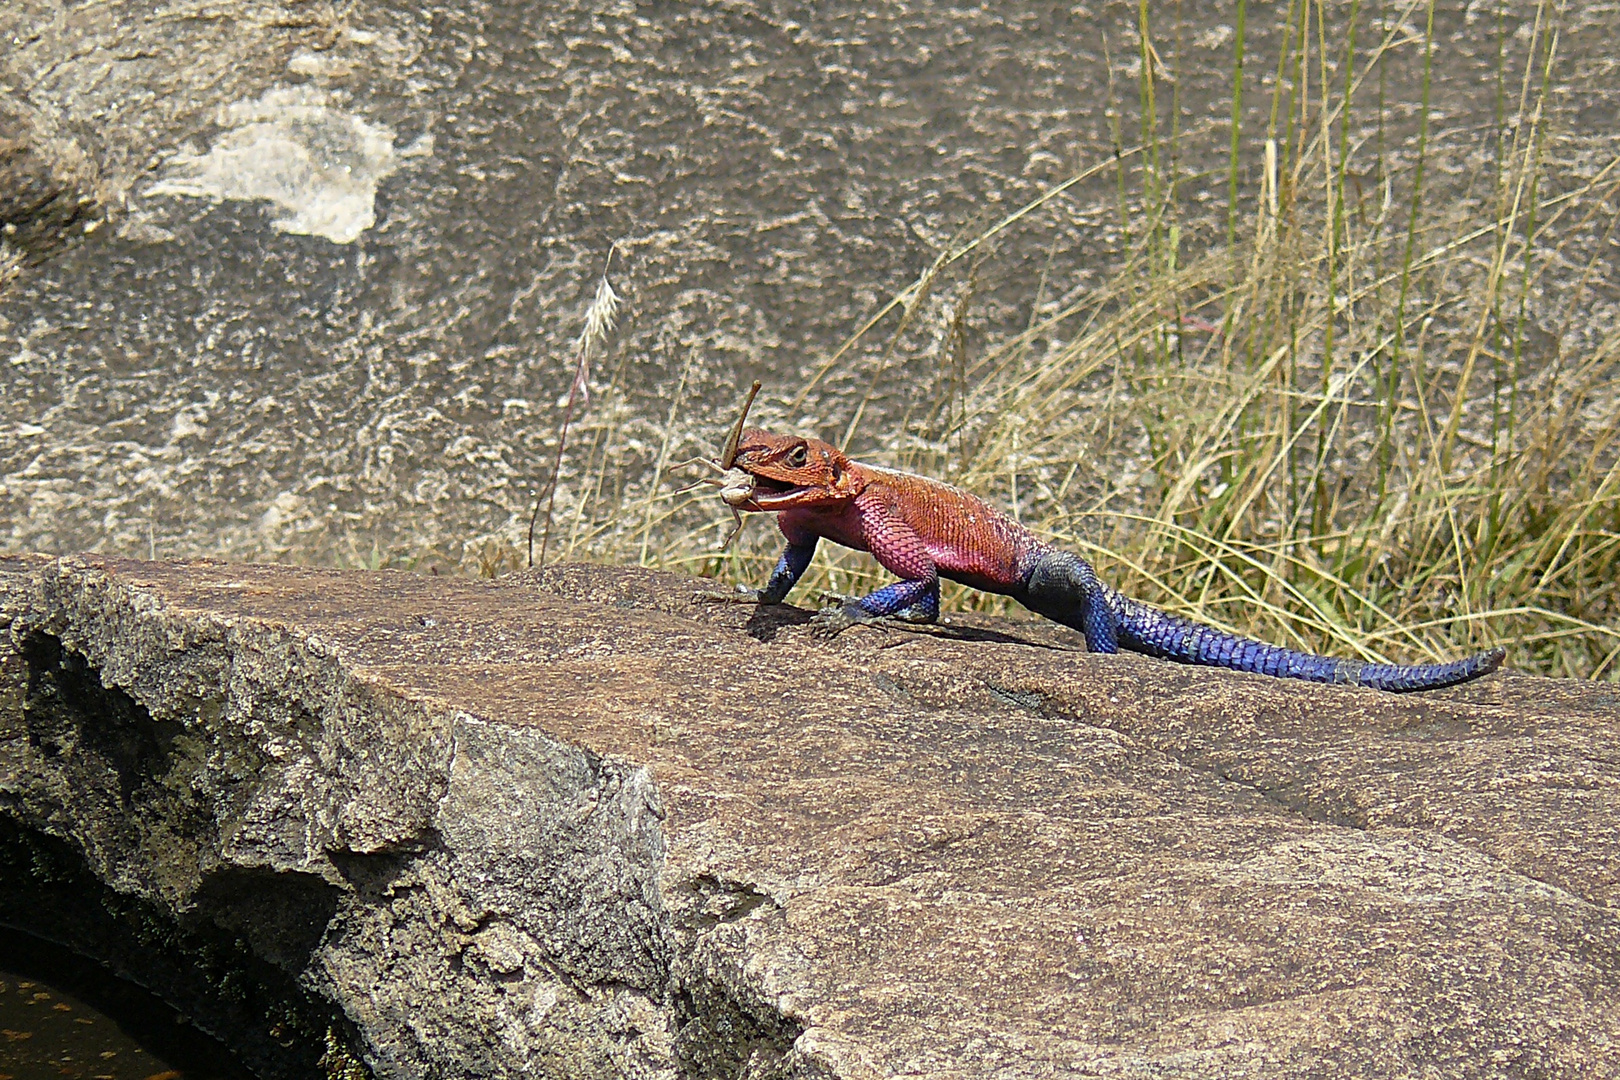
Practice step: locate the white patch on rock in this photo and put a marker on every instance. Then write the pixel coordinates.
(188, 421)
(282, 509)
(317, 65)
(319, 165)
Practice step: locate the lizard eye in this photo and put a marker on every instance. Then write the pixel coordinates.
(798, 456)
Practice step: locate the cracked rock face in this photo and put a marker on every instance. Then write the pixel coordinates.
(571, 824)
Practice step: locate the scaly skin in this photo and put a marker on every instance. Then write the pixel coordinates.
(922, 530)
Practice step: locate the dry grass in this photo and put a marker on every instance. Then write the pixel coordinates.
(1362, 425)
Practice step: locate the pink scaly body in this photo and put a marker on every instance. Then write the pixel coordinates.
(964, 538)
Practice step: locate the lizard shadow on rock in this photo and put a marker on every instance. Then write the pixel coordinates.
(974, 633)
(768, 620)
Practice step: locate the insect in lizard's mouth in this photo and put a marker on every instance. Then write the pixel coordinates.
(768, 491)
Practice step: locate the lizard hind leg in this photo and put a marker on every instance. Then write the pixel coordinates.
(1063, 587)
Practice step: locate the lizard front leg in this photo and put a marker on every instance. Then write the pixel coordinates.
(897, 546)
(909, 601)
(789, 569)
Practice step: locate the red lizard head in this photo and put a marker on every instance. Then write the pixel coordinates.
(789, 471)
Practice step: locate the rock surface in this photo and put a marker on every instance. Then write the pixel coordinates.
(572, 824)
(348, 244)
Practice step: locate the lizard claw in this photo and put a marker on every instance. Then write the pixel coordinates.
(834, 619)
(743, 595)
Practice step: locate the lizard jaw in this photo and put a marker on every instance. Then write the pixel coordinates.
(769, 494)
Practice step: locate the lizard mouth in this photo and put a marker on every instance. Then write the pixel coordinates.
(769, 493)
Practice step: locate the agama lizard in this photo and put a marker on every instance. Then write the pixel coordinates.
(922, 530)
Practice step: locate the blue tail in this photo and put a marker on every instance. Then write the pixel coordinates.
(1148, 630)
(1063, 587)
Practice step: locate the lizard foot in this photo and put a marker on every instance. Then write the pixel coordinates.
(834, 619)
(743, 595)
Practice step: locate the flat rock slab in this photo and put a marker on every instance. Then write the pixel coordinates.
(572, 823)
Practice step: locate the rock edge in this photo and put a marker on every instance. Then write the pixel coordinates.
(571, 824)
